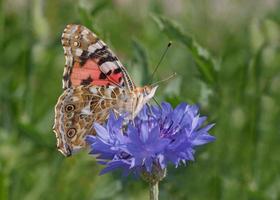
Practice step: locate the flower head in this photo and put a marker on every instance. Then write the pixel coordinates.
(157, 136)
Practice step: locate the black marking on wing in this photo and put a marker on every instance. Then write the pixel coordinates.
(103, 55)
(109, 73)
(84, 57)
(118, 70)
(107, 58)
(99, 52)
(87, 81)
(66, 77)
(102, 76)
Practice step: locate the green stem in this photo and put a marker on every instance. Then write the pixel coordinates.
(154, 191)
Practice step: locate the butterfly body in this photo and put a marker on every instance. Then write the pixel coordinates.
(94, 83)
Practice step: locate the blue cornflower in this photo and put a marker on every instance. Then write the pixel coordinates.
(156, 137)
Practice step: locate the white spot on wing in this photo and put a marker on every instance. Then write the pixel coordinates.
(65, 35)
(92, 48)
(107, 66)
(93, 90)
(73, 29)
(67, 50)
(79, 52)
(75, 98)
(85, 32)
(69, 60)
(86, 110)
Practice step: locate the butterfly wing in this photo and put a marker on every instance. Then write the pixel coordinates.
(76, 110)
(90, 62)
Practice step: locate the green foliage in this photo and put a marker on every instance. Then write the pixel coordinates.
(238, 89)
(206, 64)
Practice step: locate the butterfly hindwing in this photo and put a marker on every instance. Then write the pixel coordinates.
(89, 61)
(76, 110)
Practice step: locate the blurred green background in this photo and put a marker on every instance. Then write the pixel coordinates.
(227, 57)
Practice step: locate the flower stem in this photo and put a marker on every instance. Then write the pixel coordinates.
(154, 191)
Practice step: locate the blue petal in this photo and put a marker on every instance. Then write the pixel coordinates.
(201, 136)
(113, 166)
(132, 133)
(144, 132)
(114, 123)
(156, 111)
(101, 132)
(195, 122)
(90, 139)
(203, 139)
(162, 162)
(193, 109)
(166, 108)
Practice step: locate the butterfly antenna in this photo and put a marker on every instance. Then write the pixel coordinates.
(160, 60)
(166, 79)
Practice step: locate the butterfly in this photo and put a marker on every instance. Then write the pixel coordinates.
(94, 84)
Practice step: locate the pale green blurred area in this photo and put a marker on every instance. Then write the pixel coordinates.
(242, 96)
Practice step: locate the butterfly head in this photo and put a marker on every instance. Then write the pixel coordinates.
(149, 92)
(144, 95)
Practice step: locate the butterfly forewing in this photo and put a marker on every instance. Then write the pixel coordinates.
(90, 62)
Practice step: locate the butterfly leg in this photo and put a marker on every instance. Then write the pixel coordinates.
(155, 99)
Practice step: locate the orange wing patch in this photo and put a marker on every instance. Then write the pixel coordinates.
(90, 74)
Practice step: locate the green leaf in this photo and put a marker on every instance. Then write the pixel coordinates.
(205, 63)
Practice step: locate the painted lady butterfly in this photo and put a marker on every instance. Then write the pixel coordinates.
(94, 83)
